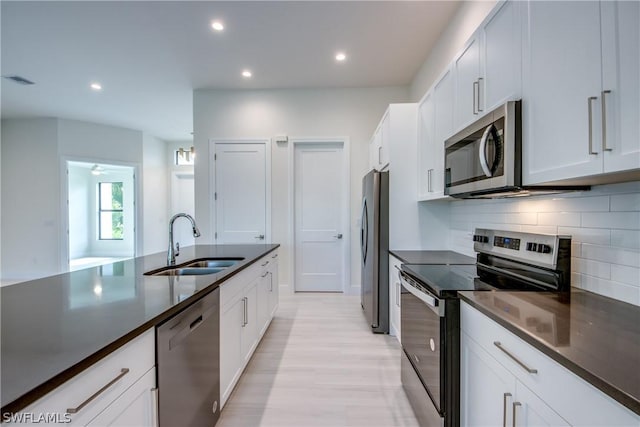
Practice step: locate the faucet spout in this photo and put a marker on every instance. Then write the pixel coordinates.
(173, 252)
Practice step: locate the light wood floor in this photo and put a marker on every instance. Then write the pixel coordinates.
(319, 365)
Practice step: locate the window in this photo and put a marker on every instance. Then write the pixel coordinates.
(110, 215)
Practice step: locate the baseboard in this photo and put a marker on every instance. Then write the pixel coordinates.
(285, 289)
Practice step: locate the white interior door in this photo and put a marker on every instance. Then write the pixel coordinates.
(241, 192)
(319, 227)
(183, 200)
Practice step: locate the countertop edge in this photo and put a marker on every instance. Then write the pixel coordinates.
(610, 390)
(64, 376)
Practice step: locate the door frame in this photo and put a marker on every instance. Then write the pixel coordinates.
(64, 204)
(346, 213)
(212, 181)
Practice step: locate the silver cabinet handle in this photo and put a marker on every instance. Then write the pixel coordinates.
(398, 294)
(244, 311)
(514, 358)
(274, 256)
(338, 236)
(270, 282)
(604, 121)
(590, 106)
(154, 407)
(266, 263)
(259, 237)
(379, 155)
(504, 409)
(515, 405)
(429, 180)
(475, 85)
(123, 372)
(479, 81)
(265, 274)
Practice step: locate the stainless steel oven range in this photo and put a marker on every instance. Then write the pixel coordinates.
(430, 316)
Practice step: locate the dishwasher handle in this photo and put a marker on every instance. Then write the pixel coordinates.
(184, 332)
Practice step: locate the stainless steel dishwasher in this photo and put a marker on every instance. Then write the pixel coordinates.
(188, 361)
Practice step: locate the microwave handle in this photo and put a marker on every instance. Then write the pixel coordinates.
(482, 155)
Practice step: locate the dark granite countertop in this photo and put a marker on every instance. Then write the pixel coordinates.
(432, 257)
(595, 337)
(55, 327)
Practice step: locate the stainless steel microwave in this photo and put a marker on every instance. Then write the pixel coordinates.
(485, 157)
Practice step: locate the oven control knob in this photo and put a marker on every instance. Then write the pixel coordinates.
(533, 247)
(480, 239)
(544, 249)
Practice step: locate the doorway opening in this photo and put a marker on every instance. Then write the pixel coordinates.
(101, 213)
(319, 177)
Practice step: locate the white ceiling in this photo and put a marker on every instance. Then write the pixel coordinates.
(149, 56)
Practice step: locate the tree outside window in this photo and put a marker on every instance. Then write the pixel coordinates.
(110, 214)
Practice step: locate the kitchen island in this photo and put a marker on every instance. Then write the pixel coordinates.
(56, 327)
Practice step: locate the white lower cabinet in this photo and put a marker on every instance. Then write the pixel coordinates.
(119, 390)
(504, 381)
(135, 407)
(248, 302)
(394, 297)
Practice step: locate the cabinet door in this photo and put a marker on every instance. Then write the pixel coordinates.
(529, 410)
(249, 333)
(467, 75)
(621, 68)
(443, 129)
(394, 297)
(561, 82)
(135, 407)
(231, 321)
(274, 293)
(426, 124)
(263, 314)
(501, 57)
(385, 132)
(487, 389)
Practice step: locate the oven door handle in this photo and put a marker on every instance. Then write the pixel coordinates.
(433, 302)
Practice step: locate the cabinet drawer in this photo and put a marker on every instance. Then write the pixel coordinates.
(90, 392)
(231, 289)
(551, 381)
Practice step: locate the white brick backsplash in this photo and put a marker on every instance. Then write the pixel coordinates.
(612, 255)
(625, 202)
(567, 219)
(604, 224)
(595, 236)
(620, 220)
(593, 268)
(629, 239)
(625, 274)
(616, 290)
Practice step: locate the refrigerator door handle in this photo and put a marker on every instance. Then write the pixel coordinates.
(364, 232)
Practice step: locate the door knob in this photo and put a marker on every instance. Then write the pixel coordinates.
(260, 237)
(338, 236)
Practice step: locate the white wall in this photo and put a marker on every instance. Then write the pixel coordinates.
(79, 201)
(30, 199)
(466, 19)
(32, 154)
(352, 112)
(155, 198)
(604, 224)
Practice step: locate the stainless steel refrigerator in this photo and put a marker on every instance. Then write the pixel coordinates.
(374, 249)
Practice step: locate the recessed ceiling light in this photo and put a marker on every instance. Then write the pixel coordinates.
(96, 86)
(340, 56)
(246, 74)
(217, 25)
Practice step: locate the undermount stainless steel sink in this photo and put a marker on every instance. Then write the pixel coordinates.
(197, 267)
(213, 263)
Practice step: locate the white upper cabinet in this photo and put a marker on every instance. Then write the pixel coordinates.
(426, 149)
(467, 84)
(379, 145)
(501, 36)
(581, 93)
(620, 95)
(488, 70)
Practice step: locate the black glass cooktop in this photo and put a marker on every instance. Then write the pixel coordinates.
(446, 280)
